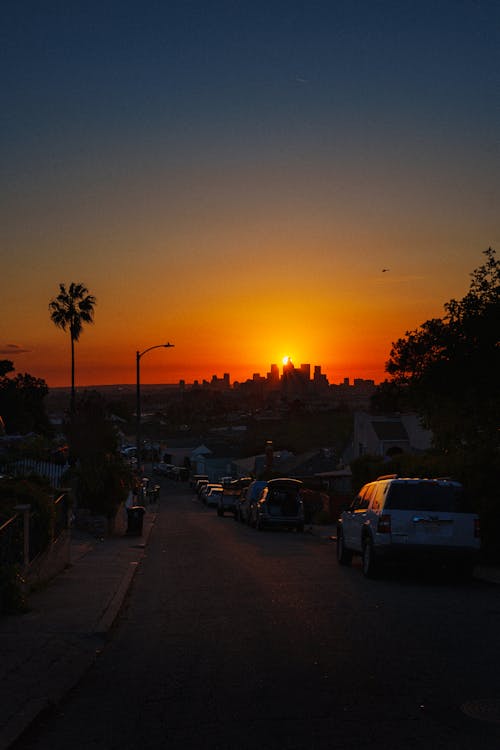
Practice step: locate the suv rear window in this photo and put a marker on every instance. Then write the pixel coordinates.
(429, 496)
(286, 499)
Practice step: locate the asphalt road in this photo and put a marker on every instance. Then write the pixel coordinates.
(238, 639)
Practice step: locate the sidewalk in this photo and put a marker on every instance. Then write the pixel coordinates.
(47, 650)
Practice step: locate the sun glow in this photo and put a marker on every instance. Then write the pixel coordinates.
(286, 360)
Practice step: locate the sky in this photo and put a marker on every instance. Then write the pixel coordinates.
(234, 177)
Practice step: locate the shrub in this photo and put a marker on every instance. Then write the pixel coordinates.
(322, 518)
(101, 484)
(35, 492)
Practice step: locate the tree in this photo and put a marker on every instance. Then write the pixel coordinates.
(450, 366)
(448, 371)
(22, 398)
(69, 311)
(102, 478)
(6, 366)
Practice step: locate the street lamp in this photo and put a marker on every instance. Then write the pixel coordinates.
(138, 356)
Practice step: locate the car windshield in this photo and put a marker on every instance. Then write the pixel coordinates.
(428, 496)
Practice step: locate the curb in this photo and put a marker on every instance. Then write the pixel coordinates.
(18, 724)
(33, 708)
(112, 611)
(107, 619)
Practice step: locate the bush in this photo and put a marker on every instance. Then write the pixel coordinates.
(322, 518)
(430, 464)
(365, 469)
(101, 484)
(34, 491)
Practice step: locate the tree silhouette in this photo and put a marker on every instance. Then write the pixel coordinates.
(22, 408)
(69, 311)
(449, 366)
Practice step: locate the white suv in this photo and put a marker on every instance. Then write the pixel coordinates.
(402, 518)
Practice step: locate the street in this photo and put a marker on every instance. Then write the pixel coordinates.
(233, 638)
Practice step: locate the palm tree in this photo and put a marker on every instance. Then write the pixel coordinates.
(70, 310)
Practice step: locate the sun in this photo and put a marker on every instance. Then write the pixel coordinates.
(286, 360)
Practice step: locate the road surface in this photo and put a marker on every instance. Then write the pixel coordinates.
(240, 640)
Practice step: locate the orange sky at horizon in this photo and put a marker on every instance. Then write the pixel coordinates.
(349, 334)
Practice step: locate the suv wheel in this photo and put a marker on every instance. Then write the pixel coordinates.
(344, 555)
(369, 561)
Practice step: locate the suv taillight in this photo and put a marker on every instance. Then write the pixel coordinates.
(384, 524)
(477, 528)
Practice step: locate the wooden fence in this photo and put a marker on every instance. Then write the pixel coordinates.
(29, 548)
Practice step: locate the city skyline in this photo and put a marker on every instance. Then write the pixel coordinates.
(275, 376)
(245, 180)
(225, 380)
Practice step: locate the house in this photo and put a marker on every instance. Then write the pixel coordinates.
(387, 435)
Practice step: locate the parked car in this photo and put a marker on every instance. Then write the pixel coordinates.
(279, 504)
(240, 484)
(247, 499)
(164, 469)
(200, 484)
(179, 473)
(226, 502)
(129, 454)
(195, 478)
(423, 519)
(209, 494)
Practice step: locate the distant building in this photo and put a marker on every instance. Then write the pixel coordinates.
(320, 380)
(387, 435)
(273, 376)
(305, 371)
(296, 383)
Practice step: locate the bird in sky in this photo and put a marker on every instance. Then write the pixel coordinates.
(384, 270)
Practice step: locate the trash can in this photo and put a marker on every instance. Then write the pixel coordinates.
(135, 517)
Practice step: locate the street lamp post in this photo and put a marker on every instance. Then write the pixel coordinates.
(138, 356)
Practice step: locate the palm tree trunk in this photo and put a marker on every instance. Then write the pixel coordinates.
(73, 394)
